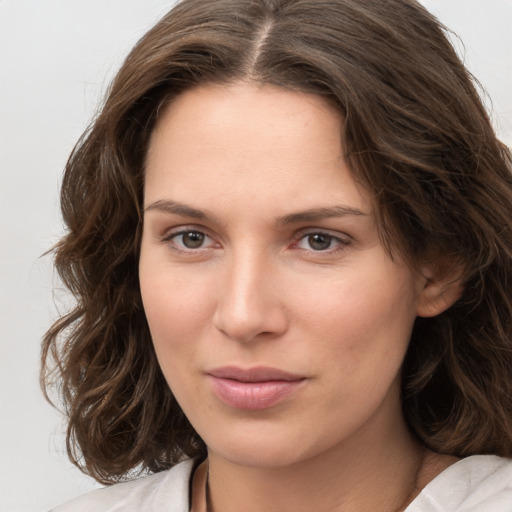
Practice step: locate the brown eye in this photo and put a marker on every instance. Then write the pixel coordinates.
(319, 241)
(189, 240)
(192, 239)
(322, 242)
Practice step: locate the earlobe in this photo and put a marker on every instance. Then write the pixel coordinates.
(440, 291)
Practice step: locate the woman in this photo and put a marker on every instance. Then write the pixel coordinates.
(290, 244)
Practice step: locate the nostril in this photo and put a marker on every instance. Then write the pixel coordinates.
(249, 325)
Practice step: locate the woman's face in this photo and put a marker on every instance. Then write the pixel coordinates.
(278, 319)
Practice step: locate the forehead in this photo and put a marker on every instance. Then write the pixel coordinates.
(249, 140)
(250, 112)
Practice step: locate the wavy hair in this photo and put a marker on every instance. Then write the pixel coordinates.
(415, 133)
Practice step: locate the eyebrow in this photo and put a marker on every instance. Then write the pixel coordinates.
(313, 214)
(175, 207)
(318, 214)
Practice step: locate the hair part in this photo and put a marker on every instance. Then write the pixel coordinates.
(415, 134)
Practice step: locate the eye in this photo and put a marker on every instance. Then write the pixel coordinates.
(192, 239)
(189, 240)
(321, 242)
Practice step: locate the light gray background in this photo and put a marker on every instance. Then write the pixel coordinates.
(56, 59)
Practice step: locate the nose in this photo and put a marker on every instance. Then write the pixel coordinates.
(249, 304)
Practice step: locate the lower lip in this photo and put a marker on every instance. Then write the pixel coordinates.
(253, 395)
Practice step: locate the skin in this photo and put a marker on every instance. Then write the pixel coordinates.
(230, 275)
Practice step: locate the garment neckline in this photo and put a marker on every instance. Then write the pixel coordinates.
(434, 489)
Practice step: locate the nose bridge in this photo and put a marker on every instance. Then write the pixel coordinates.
(248, 304)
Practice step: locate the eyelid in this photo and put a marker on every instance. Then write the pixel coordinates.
(343, 239)
(175, 232)
(324, 231)
(184, 228)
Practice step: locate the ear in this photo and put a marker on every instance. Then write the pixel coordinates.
(442, 287)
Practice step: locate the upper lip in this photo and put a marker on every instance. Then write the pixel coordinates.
(254, 374)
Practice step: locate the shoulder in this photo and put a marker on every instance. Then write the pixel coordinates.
(166, 491)
(480, 483)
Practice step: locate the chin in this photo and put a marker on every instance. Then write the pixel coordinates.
(262, 447)
(249, 456)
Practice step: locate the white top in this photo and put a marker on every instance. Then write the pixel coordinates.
(480, 483)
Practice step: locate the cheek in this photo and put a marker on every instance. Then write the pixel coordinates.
(358, 300)
(362, 320)
(174, 318)
(176, 308)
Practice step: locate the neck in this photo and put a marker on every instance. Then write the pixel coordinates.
(381, 473)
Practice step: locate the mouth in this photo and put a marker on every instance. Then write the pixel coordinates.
(253, 388)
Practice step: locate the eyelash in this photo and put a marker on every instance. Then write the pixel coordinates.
(339, 242)
(171, 237)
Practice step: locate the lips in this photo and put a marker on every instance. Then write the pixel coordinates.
(253, 388)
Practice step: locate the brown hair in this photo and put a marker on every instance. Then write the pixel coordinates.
(415, 133)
